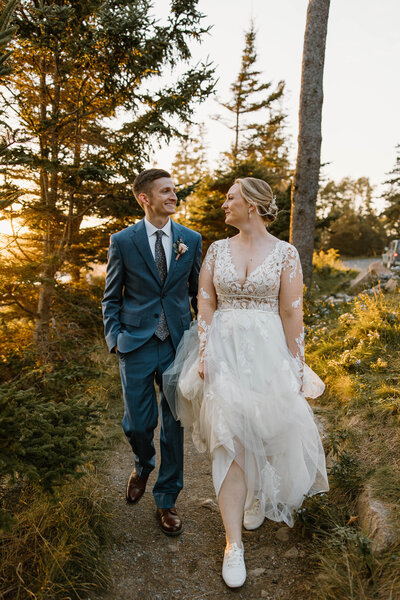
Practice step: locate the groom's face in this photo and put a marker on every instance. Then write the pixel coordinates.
(160, 201)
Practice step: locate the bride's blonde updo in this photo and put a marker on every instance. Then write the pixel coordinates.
(259, 194)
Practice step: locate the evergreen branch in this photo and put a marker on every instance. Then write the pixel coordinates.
(6, 14)
(15, 302)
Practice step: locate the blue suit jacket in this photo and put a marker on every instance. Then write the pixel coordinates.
(134, 296)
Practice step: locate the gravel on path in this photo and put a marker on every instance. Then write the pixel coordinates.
(146, 564)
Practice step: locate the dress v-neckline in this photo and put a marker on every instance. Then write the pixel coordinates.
(268, 256)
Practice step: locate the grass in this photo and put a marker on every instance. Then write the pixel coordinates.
(52, 550)
(355, 348)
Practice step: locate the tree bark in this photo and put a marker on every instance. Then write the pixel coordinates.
(306, 177)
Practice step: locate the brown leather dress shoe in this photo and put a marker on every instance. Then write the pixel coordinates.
(170, 521)
(135, 488)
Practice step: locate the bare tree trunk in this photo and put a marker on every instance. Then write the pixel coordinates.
(306, 177)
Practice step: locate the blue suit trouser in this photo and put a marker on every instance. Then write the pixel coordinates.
(139, 369)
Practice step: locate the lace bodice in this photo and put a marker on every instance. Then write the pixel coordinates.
(260, 289)
(276, 286)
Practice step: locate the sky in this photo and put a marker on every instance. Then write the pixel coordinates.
(361, 110)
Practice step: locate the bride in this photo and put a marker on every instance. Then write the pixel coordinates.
(242, 383)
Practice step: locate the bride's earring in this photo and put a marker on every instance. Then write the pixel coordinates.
(249, 211)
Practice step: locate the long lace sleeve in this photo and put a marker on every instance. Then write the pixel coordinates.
(207, 298)
(291, 305)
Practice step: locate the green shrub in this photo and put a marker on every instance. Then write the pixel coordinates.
(46, 425)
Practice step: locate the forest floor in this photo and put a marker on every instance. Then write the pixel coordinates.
(145, 564)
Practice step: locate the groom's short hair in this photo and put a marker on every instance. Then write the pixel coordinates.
(144, 181)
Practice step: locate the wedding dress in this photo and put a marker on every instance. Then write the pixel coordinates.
(251, 406)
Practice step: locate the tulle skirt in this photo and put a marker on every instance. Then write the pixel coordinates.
(251, 408)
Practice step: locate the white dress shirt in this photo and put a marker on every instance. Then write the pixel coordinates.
(166, 239)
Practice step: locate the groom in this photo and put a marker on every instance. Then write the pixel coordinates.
(152, 276)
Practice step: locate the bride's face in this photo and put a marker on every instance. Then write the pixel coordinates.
(235, 206)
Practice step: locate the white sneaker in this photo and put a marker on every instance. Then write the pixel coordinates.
(233, 568)
(254, 516)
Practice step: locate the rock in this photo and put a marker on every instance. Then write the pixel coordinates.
(256, 572)
(173, 547)
(374, 272)
(292, 553)
(282, 534)
(374, 290)
(334, 300)
(209, 503)
(374, 519)
(391, 285)
(265, 594)
(321, 423)
(269, 551)
(344, 296)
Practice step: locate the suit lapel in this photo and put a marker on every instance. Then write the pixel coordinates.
(172, 265)
(141, 243)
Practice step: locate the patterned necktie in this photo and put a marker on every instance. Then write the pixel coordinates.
(162, 331)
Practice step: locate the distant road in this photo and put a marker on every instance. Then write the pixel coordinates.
(359, 263)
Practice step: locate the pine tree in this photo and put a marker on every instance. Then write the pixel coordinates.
(259, 150)
(190, 163)
(6, 33)
(346, 219)
(392, 198)
(249, 98)
(203, 210)
(77, 64)
(267, 144)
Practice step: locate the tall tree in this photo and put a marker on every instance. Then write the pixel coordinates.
(203, 210)
(77, 65)
(306, 177)
(267, 144)
(6, 33)
(346, 219)
(190, 162)
(248, 98)
(392, 198)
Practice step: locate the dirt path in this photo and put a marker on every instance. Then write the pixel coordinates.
(148, 565)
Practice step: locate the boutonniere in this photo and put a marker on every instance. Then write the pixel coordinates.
(180, 248)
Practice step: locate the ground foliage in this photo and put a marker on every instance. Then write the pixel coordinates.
(354, 346)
